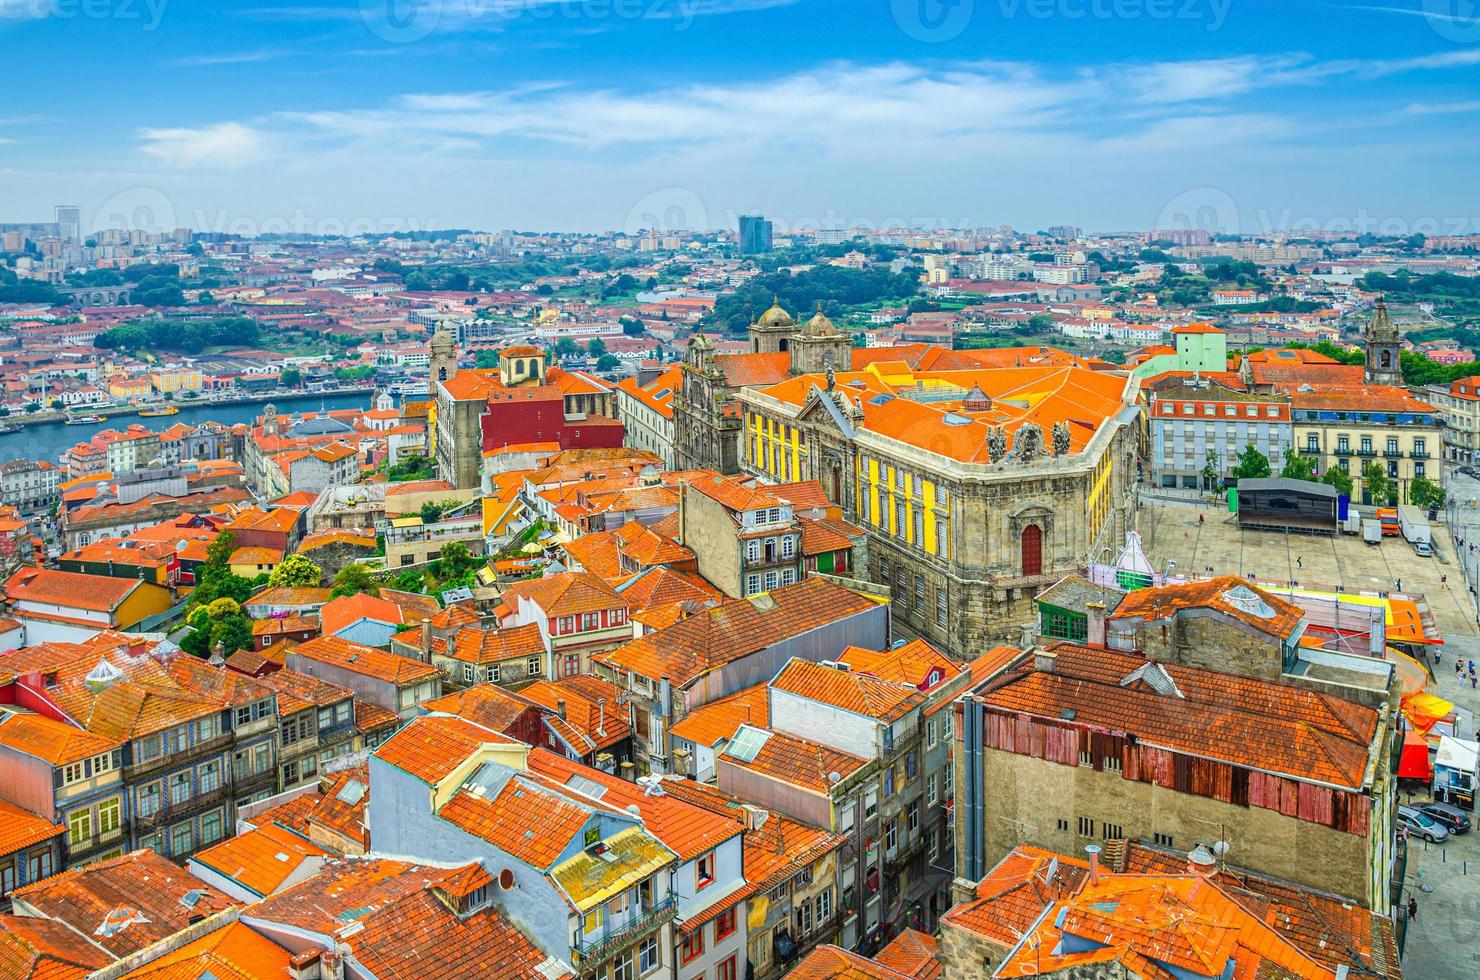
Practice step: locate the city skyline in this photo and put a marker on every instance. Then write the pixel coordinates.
(593, 117)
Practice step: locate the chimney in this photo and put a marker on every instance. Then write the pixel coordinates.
(1201, 862)
(683, 492)
(426, 639)
(1093, 850)
(1045, 661)
(1096, 612)
(560, 707)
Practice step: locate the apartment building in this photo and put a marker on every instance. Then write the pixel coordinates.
(746, 540)
(1459, 404)
(1195, 423)
(646, 411)
(30, 486)
(395, 684)
(316, 725)
(64, 777)
(579, 613)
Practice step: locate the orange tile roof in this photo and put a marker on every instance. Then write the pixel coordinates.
(713, 637)
(72, 590)
(598, 553)
(402, 671)
(255, 556)
(280, 519)
(486, 646)
(912, 953)
(488, 705)
(124, 903)
(588, 725)
(1303, 734)
(663, 587)
(801, 763)
(261, 859)
(347, 610)
(42, 949)
(1011, 897)
(298, 692)
(647, 547)
(275, 625)
(51, 741)
(823, 536)
(734, 495)
(862, 694)
(372, 717)
(913, 664)
(235, 951)
(832, 963)
(566, 594)
(710, 723)
(1163, 602)
(746, 370)
(431, 747)
(333, 536)
(20, 828)
(286, 596)
(1360, 398)
(685, 829)
(524, 819)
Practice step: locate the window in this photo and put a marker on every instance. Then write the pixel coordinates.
(931, 794)
(913, 815)
(109, 815)
(7, 878)
(210, 827)
(590, 922)
(1061, 825)
(1086, 827)
(148, 800)
(726, 970)
(871, 802)
(180, 839)
(771, 580)
(803, 915)
(79, 828)
(534, 666)
(919, 594)
(1343, 444)
(692, 948)
(824, 906)
(940, 607)
(752, 584)
(1312, 442)
(493, 673)
(592, 621)
(724, 924)
(753, 549)
(623, 967)
(244, 715)
(647, 955)
(891, 835)
(788, 576)
(179, 788)
(930, 733)
(470, 673)
(40, 865)
(704, 870)
(1165, 840)
(342, 711)
(1111, 831)
(788, 546)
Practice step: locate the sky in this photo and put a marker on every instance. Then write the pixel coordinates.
(250, 116)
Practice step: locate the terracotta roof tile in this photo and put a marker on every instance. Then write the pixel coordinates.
(402, 671)
(431, 747)
(862, 694)
(41, 949)
(710, 723)
(124, 903)
(474, 645)
(347, 610)
(233, 952)
(793, 760)
(20, 828)
(832, 963)
(524, 820)
(260, 859)
(54, 742)
(1163, 602)
(488, 705)
(912, 953)
(566, 594)
(74, 590)
(589, 725)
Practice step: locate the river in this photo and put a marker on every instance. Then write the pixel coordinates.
(49, 440)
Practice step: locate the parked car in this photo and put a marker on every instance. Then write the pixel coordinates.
(1455, 820)
(1420, 825)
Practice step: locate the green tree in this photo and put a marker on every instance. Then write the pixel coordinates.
(296, 572)
(410, 581)
(353, 579)
(1340, 479)
(1298, 467)
(1423, 492)
(607, 362)
(565, 347)
(456, 558)
(214, 578)
(596, 347)
(1211, 470)
(1376, 482)
(290, 377)
(1252, 464)
(431, 512)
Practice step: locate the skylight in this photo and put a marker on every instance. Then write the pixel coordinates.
(1244, 598)
(747, 743)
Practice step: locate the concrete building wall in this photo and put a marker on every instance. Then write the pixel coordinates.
(823, 723)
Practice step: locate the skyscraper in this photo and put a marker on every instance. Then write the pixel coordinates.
(69, 221)
(755, 234)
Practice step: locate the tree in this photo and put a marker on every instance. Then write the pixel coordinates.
(1211, 469)
(565, 347)
(1423, 492)
(456, 558)
(290, 377)
(431, 512)
(1252, 464)
(296, 572)
(1298, 467)
(1340, 479)
(220, 622)
(353, 579)
(410, 581)
(214, 578)
(1376, 482)
(607, 362)
(596, 347)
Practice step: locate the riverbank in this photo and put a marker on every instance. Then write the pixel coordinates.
(213, 399)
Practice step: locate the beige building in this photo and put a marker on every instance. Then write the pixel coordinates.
(977, 488)
(1459, 403)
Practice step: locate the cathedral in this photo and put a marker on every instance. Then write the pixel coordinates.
(707, 420)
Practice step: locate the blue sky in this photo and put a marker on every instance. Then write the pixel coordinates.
(247, 115)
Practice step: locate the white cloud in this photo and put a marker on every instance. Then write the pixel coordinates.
(1440, 108)
(227, 144)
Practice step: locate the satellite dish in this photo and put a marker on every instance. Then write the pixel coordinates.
(834, 778)
(1221, 849)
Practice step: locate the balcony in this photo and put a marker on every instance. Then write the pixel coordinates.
(138, 770)
(589, 952)
(1366, 451)
(1419, 454)
(173, 811)
(1314, 450)
(1392, 453)
(1343, 450)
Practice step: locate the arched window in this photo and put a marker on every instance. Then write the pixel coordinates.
(1032, 547)
(441, 374)
(1387, 359)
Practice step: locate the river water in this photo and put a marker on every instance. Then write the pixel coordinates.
(50, 440)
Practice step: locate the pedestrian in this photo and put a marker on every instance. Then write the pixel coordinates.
(1400, 586)
(1200, 518)
(1412, 909)
(1300, 564)
(1459, 668)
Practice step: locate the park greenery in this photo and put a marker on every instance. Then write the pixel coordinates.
(296, 572)
(354, 579)
(410, 467)
(184, 336)
(837, 289)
